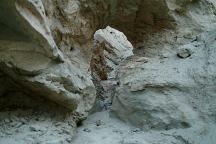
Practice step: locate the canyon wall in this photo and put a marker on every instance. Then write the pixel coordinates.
(50, 49)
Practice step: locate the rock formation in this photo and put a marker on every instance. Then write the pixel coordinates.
(35, 72)
(111, 48)
(164, 89)
(152, 61)
(32, 59)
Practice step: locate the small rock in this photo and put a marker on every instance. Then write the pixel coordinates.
(142, 59)
(136, 130)
(17, 130)
(36, 128)
(99, 123)
(57, 124)
(69, 140)
(86, 130)
(118, 131)
(184, 53)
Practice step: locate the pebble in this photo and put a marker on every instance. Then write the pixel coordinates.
(184, 53)
(36, 128)
(136, 130)
(98, 123)
(86, 130)
(69, 140)
(57, 124)
(142, 59)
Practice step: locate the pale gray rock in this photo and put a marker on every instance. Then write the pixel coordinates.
(115, 47)
(116, 43)
(111, 47)
(175, 94)
(38, 80)
(31, 58)
(184, 53)
(163, 92)
(46, 47)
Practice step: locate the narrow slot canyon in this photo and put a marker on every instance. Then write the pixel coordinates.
(107, 71)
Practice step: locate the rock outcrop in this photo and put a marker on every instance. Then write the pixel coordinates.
(114, 47)
(32, 60)
(50, 49)
(170, 85)
(40, 83)
(111, 48)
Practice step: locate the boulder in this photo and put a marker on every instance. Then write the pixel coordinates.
(114, 46)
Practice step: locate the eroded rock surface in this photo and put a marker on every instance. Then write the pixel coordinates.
(115, 48)
(32, 67)
(111, 48)
(169, 84)
(170, 93)
(48, 53)
(33, 59)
